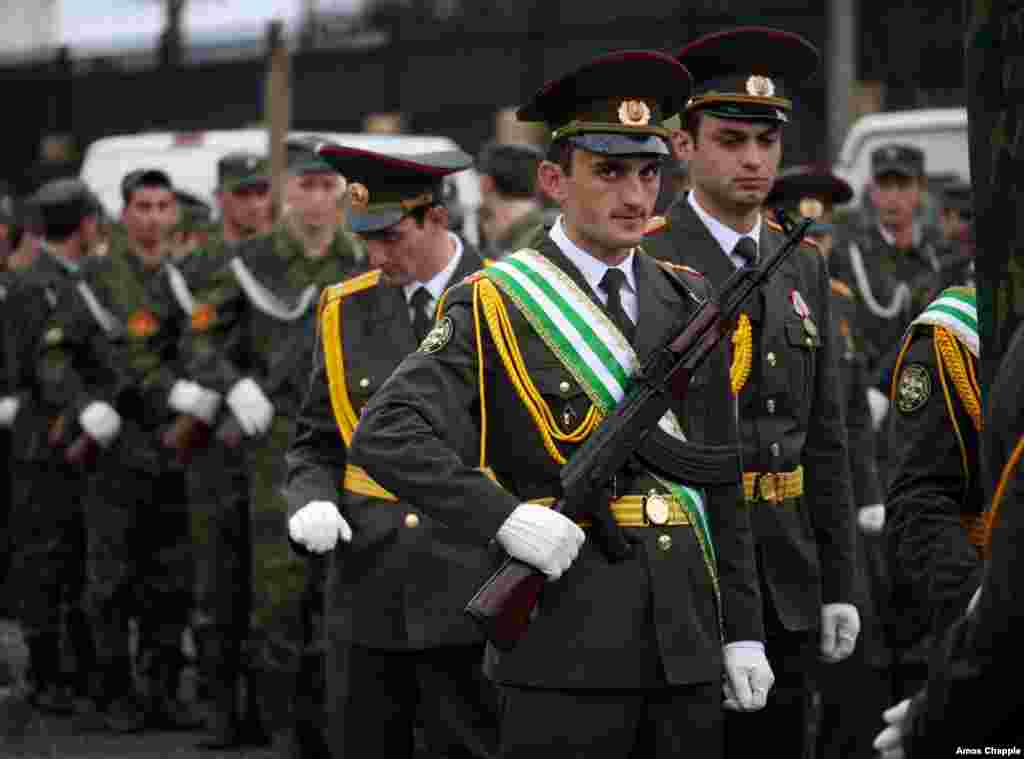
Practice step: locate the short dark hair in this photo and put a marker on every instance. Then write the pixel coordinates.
(61, 231)
(136, 180)
(560, 152)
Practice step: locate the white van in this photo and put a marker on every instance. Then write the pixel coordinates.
(940, 132)
(190, 159)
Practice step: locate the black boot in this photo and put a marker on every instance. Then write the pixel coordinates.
(165, 710)
(48, 693)
(220, 666)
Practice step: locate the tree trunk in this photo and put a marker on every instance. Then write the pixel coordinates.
(995, 106)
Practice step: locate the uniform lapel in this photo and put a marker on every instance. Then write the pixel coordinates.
(661, 308)
(696, 247)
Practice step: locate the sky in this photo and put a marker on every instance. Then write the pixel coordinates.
(95, 23)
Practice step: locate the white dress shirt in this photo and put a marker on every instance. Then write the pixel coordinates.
(726, 236)
(593, 270)
(437, 284)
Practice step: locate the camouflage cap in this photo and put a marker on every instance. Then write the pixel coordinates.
(237, 171)
(906, 160)
(303, 158)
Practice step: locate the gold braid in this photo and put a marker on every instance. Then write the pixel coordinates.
(963, 381)
(743, 354)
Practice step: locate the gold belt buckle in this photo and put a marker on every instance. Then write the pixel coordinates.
(767, 487)
(657, 508)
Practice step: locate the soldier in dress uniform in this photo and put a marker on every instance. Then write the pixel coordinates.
(625, 654)
(849, 693)
(398, 642)
(510, 211)
(970, 701)
(137, 517)
(935, 499)
(785, 370)
(64, 379)
(893, 263)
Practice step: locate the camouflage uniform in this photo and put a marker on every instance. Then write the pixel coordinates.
(264, 331)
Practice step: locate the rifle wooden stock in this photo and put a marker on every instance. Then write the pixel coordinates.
(83, 452)
(503, 605)
(187, 434)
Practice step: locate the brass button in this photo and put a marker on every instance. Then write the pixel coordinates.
(364, 382)
(770, 404)
(412, 520)
(808, 340)
(772, 361)
(776, 449)
(565, 387)
(664, 542)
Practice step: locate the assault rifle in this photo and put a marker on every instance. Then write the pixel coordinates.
(504, 604)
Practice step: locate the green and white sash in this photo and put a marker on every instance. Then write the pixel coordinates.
(593, 350)
(956, 309)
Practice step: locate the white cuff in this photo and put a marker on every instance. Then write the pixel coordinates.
(753, 645)
(191, 398)
(101, 421)
(9, 406)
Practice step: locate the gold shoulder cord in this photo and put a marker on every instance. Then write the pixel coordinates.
(743, 353)
(991, 517)
(486, 295)
(334, 361)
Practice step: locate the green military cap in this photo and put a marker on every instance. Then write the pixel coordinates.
(64, 202)
(237, 171)
(615, 104)
(384, 188)
(512, 166)
(809, 191)
(303, 158)
(906, 160)
(746, 73)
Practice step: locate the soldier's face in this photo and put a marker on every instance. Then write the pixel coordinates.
(314, 198)
(606, 200)
(247, 209)
(150, 214)
(400, 251)
(733, 163)
(897, 198)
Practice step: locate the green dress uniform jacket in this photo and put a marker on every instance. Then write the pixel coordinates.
(969, 699)
(936, 494)
(404, 579)
(649, 621)
(791, 415)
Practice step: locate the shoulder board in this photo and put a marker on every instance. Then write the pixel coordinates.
(680, 267)
(841, 288)
(355, 284)
(774, 226)
(656, 225)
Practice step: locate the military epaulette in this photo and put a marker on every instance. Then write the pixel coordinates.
(489, 262)
(841, 288)
(656, 225)
(474, 277)
(355, 284)
(809, 242)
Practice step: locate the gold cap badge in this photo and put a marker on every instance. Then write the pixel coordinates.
(358, 196)
(760, 86)
(812, 208)
(634, 113)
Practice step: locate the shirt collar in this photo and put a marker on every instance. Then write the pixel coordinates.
(890, 239)
(592, 268)
(725, 236)
(436, 285)
(71, 267)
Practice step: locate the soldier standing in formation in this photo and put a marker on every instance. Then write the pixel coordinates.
(510, 208)
(850, 692)
(398, 642)
(625, 652)
(784, 370)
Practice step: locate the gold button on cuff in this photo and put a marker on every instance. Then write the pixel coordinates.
(772, 360)
(412, 520)
(364, 383)
(565, 387)
(664, 542)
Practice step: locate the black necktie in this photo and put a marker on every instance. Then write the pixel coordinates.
(746, 249)
(422, 319)
(612, 283)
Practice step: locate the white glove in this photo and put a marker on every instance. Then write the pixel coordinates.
(871, 518)
(101, 421)
(879, 405)
(318, 525)
(191, 398)
(748, 676)
(250, 407)
(889, 742)
(542, 538)
(840, 626)
(9, 406)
